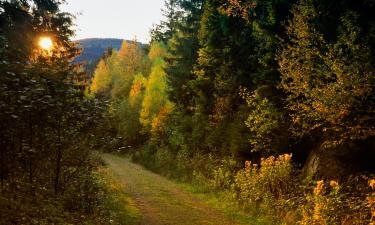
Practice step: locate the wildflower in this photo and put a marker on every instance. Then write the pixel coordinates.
(319, 188)
(372, 184)
(370, 201)
(317, 212)
(247, 164)
(287, 157)
(334, 184)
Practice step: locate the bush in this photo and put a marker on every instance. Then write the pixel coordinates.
(331, 203)
(266, 186)
(223, 176)
(273, 188)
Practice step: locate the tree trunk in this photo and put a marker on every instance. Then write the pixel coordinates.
(58, 159)
(2, 176)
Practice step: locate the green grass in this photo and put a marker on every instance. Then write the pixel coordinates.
(223, 202)
(162, 201)
(118, 204)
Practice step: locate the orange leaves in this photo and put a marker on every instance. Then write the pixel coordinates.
(158, 124)
(136, 89)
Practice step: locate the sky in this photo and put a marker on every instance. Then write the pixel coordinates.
(126, 19)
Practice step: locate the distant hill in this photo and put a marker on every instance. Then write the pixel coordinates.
(94, 48)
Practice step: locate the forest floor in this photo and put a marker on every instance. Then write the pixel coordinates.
(161, 201)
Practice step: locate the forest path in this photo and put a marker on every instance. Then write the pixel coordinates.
(160, 201)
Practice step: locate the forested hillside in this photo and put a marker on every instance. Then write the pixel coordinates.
(94, 48)
(270, 102)
(264, 107)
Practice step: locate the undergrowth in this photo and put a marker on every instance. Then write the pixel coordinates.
(273, 189)
(93, 198)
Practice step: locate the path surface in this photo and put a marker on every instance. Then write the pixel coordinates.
(160, 201)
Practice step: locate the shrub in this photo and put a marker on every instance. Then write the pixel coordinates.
(331, 203)
(322, 206)
(371, 201)
(223, 175)
(265, 185)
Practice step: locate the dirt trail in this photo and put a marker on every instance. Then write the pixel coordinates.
(161, 201)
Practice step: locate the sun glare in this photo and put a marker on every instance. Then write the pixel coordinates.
(45, 43)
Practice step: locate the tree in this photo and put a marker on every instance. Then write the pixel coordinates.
(183, 46)
(329, 75)
(164, 31)
(41, 100)
(102, 78)
(155, 105)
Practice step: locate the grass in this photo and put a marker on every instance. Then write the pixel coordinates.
(223, 202)
(163, 201)
(120, 206)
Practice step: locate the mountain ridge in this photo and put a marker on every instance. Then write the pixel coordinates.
(94, 48)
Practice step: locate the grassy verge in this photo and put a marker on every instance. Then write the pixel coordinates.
(223, 202)
(118, 205)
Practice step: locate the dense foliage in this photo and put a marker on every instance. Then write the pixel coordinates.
(222, 82)
(229, 81)
(46, 123)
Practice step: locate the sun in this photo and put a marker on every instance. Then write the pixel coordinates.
(46, 43)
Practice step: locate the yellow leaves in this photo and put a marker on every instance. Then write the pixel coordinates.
(102, 78)
(117, 71)
(155, 106)
(157, 50)
(130, 57)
